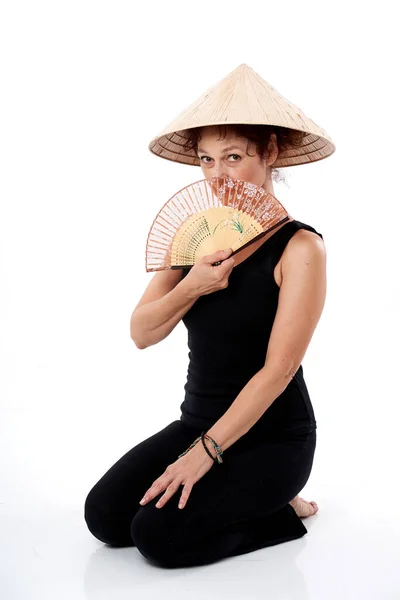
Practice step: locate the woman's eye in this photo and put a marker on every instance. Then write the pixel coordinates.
(207, 159)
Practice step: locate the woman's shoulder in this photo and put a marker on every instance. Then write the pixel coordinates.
(305, 243)
(307, 231)
(304, 239)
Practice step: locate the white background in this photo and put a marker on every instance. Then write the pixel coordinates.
(85, 86)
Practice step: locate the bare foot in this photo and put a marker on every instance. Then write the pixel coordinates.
(304, 508)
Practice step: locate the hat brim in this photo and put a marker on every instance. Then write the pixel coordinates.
(171, 146)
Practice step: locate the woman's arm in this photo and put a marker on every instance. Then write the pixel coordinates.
(165, 301)
(301, 301)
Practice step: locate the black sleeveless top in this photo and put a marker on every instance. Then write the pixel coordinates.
(228, 334)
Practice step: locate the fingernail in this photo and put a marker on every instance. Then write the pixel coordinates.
(143, 500)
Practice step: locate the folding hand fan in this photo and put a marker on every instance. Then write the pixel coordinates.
(210, 215)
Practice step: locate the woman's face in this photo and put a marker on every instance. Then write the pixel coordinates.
(227, 158)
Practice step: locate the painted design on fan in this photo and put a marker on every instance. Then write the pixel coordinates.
(249, 189)
(237, 225)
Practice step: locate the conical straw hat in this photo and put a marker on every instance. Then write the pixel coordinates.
(243, 97)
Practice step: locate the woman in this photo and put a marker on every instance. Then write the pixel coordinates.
(250, 320)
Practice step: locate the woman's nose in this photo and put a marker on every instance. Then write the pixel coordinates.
(218, 171)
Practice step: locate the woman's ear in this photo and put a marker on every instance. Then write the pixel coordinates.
(273, 150)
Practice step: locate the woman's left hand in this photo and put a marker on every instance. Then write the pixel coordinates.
(187, 470)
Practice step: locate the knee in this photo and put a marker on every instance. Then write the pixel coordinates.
(99, 519)
(151, 538)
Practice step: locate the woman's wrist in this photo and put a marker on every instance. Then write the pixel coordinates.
(203, 453)
(187, 289)
(211, 448)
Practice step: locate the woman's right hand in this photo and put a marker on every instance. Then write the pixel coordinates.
(204, 278)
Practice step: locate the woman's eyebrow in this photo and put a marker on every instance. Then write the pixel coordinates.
(224, 149)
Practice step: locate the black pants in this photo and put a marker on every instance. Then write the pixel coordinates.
(237, 507)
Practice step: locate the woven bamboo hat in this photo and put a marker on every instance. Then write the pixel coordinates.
(243, 97)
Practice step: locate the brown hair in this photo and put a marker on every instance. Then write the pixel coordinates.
(260, 135)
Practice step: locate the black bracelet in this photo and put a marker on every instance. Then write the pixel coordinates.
(205, 447)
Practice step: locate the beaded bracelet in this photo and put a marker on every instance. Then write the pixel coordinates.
(205, 447)
(217, 448)
(214, 443)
